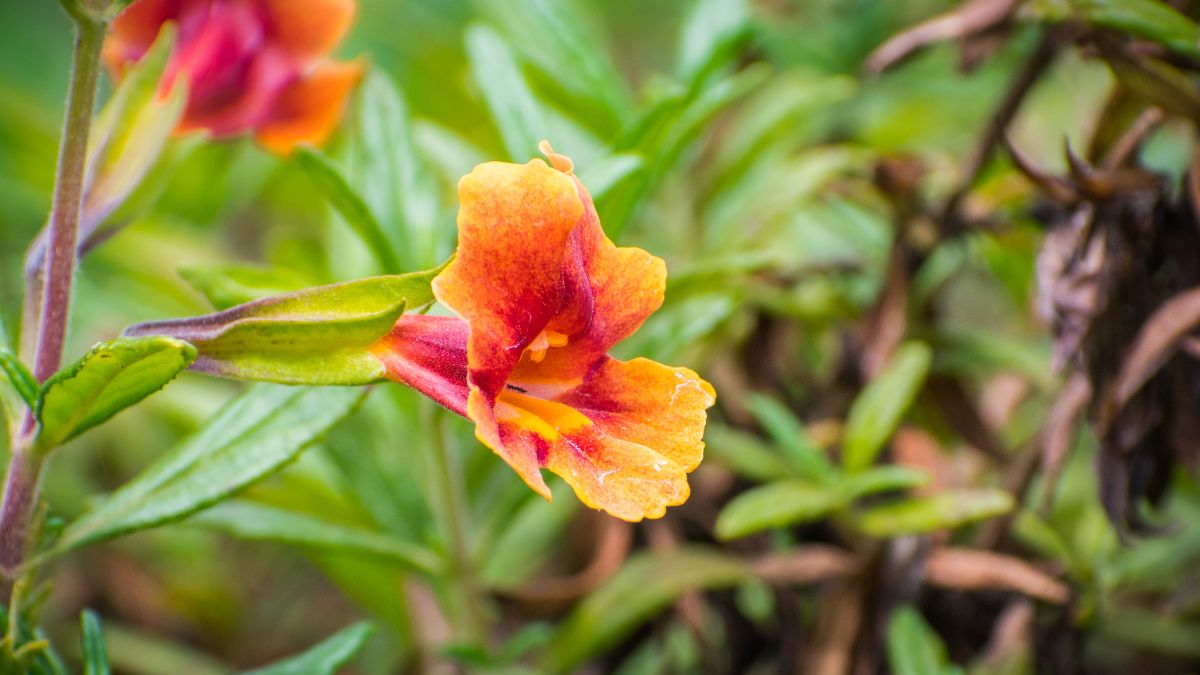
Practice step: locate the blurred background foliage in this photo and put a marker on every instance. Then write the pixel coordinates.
(880, 490)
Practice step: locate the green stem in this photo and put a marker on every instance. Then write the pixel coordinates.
(21, 480)
(450, 501)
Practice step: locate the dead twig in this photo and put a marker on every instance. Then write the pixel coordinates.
(968, 18)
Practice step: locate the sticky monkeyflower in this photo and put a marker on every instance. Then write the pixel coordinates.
(543, 294)
(255, 66)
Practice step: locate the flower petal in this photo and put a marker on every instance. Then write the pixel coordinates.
(647, 403)
(309, 109)
(309, 28)
(237, 107)
(628, 480)
(611, 291)
(625, 439)
(507, 279)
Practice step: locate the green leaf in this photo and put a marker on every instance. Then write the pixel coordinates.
(604, 175)
(225, 286)
(326, 658)
(21, 380)
(877, 411)
(789, 433)
(945, 511)
(912, 646)
(643, 587)
(1150, 19)
(744, 454)
(569, 50)
(257, 522)
(108, 379)
(250, 438)
(710, 35)
(131, 132)
(883, 479)
(779, 504)
(329, 180)
(968, 351)
(527, 537)
(95, 659)
(515, 110)
(384, 165)
(314, 336)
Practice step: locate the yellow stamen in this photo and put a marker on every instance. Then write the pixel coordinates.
(543, 342)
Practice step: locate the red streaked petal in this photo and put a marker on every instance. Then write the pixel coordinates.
(627, 283)
(628, 480)
(429, 354)
(507, 279)
(309, 109)
(647, 403)
(522, 448)
(309, 28)
(625, 439)
(244, 104)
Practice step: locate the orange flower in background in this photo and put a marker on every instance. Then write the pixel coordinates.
(250, 65)
(543, 294)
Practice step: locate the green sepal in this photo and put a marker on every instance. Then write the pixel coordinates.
(316, 336)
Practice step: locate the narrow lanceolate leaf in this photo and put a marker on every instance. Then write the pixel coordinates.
(945, 511)
(95, 658)
(329, 180)
(789, 433)
(885, 478)
(515, 111)
(386, 168)
(226, 286)
(778, 504)
(252, 437)
(710, 36)
(879, 408)
(257, 522)
(110, 378)
(912, 646)
(19, 378)
(314, 336)
(642, 588)
(327, 658)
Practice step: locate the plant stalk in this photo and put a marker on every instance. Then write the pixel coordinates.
(463, 589)
(68, 199)
(21, 481)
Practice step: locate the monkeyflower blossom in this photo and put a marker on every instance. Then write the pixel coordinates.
(250, 65)
(543, 294)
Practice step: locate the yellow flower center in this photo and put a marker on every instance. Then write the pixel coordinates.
(543, 342)
(547, 419)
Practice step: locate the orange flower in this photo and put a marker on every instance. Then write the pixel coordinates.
(250, 65)
(543, 294)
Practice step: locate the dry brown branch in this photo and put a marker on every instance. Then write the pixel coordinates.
(967, 569)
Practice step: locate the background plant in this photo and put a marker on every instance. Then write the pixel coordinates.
(896, 478)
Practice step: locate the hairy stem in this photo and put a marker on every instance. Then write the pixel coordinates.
(20, 495)
(68, 198)
(21, 481)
